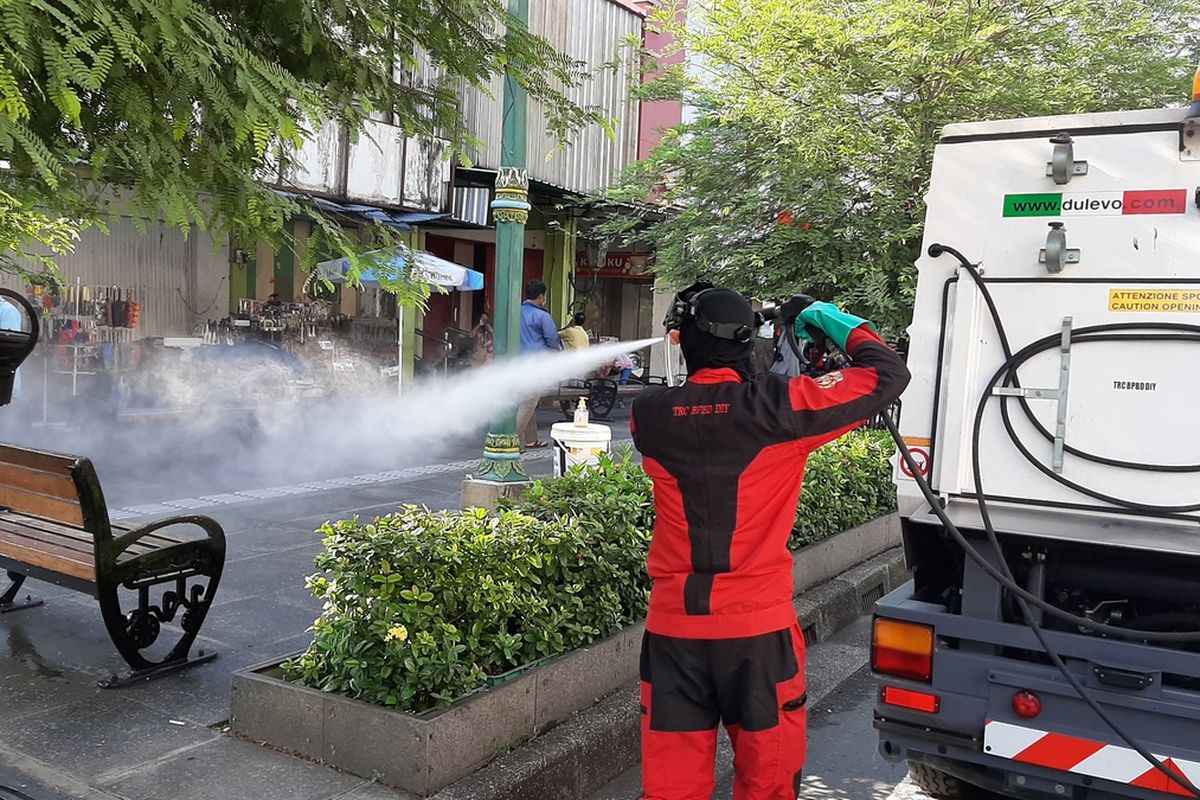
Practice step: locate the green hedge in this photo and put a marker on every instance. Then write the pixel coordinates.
(422, 607)
(847, 483)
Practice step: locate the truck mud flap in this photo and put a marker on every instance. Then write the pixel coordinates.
(887, 726)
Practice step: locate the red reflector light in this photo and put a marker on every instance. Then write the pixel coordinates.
(902, 649)
(1026, 705)
(916, 701)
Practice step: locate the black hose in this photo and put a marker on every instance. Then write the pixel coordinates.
(1097, 333)
(1011, 585)
(1004, 576)
(789, 335)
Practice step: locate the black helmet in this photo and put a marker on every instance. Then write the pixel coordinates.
(716, 328)
(721, 313)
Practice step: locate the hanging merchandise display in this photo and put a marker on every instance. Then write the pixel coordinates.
(86, 331)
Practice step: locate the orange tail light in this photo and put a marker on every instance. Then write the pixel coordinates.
(902, 649)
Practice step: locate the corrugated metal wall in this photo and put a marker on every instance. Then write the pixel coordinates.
(154, 265)
(595, 32)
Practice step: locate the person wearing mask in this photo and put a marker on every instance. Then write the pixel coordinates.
(726, 454)
(574, 337)
(539, 334)
(482, 341)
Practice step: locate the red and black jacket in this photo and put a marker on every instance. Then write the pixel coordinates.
(727, 459)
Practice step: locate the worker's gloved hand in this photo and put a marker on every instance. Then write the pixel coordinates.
(830, 320)
(792, 308)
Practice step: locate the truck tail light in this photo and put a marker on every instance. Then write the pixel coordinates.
(902, 649)
(914, 701)
(1026, 705)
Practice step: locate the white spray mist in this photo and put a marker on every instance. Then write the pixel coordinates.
(246, 426)
(446, 408)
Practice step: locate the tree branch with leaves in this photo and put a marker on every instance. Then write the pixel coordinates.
(806, 163)
(178, 107)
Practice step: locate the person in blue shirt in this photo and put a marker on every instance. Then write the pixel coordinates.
(11, 319)
(538, 334)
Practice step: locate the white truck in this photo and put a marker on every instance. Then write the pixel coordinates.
(1054, 412)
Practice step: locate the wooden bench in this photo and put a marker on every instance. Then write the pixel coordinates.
(54, 526)
(602, 394)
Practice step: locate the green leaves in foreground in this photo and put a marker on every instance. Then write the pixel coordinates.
(424, 606)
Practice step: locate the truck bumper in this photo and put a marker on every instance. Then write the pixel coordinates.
(1065, 750)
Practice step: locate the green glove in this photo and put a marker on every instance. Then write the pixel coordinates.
(827, 317)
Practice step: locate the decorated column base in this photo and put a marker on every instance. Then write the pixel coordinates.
(502, 459)
(501, 473)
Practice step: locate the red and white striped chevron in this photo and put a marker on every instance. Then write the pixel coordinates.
(1085, 757)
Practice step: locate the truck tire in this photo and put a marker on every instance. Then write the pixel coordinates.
(935, 783)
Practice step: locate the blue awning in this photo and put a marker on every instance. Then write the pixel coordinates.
(400, 220)
(393, 266)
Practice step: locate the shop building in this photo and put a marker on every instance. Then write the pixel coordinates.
(411, 184)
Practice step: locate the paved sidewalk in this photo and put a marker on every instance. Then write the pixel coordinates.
(62, 737)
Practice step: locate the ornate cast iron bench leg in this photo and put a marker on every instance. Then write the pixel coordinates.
(9, 601)
(178, 566)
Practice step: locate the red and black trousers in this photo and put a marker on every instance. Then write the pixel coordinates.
(754, 686)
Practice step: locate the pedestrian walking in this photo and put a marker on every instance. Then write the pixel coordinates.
(726, 454)
(539, 334)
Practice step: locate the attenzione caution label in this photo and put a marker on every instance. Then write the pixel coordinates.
(1162, 301)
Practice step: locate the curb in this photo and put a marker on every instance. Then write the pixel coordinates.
(587, 751)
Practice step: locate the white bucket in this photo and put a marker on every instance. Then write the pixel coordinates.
(578, 445)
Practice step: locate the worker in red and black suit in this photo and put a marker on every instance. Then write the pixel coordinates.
(727, 454)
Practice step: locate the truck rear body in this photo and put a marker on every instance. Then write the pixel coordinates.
(1124, 248)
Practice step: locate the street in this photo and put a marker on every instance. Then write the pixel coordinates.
(293, 294)
(144, 741)
(263, 611)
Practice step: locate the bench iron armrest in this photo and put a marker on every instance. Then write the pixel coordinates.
(107, 553)
(209, 525)
(166, 563)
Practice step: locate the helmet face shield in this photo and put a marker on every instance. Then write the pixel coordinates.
(721, 313)
(682, 305)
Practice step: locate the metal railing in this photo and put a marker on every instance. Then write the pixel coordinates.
(447, 349)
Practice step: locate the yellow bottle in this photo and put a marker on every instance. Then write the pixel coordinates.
(581, 413)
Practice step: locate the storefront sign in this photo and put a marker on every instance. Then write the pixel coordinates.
(629, 266)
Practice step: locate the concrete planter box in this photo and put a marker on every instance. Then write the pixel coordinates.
(423, 753)
(830, 557)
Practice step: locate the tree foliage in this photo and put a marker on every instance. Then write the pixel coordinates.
(182, 103)
(29, 237)
(809, 154)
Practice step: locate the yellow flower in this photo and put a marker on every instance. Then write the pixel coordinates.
(397, 633)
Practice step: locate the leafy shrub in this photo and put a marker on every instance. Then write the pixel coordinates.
(422, 607)
(847, 483)
(614, 505)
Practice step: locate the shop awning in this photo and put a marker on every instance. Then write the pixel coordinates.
(426, 267)
(399, 220)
